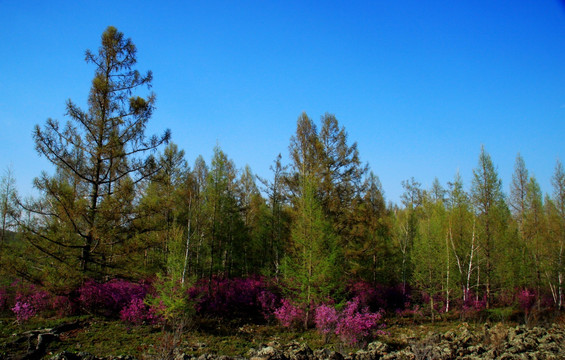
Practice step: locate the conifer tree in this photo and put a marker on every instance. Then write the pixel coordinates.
(486, 193)
(518, 190)
(370, 253)
(534, 231)
(310, 267)
(163, 210)
(7, 208)
(341, 174)
(429, 255)
(85, 216)
(278, 222)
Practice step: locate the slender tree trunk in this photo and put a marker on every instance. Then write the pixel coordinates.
(432, 308)
(470, 269)
(447, 274)
(459, 264)
(560, 277)
(489, 265)
(186, 253)
(3, 233)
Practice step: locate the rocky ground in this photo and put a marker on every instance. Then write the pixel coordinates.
(486, 342)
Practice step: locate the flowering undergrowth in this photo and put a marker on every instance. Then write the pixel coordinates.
(234, 298)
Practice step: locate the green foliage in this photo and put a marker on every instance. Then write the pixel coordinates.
(430, 253)
(370, 253)
(490, 208)
(171, 301)
(310, 270)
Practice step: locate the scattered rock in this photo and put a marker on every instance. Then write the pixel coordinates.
(496, 342)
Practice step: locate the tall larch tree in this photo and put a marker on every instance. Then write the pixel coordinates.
(369, 253)
(310, 262)
(100, 156)
(534, 228)
(162, 207)
(310, 271)
(278, 219)
(430, 254)
(518, 190)
(486, 193)
(406, 227)
(341, 174)
(198, 216)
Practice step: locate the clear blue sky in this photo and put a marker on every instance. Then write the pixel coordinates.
(419, 85)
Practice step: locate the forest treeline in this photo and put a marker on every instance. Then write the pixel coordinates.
(121, 204)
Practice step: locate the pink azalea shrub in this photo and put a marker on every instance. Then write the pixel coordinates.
(379, 296)
(24, 311)
(268, 302)
(353, 324)
(356, 323)
(111, 297)
(39, 299)
(138, 313)
(409, 310)
(326, 319)
(526, 299)
(365, 292)
(473, 304)
(234, 298)
(30, 302)
(289, 315)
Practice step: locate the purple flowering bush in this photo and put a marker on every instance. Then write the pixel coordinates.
(234, 298)
(356, 323)
(326, 319)
(526, 299)
(353, 324)
(268, 302)
(289, 315)
(473, 304)
(138, 313)
(379, 296)
(24, 311)
(110, 298)
(30, 301)
(409, 310)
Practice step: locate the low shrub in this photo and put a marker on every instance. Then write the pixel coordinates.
(357, 324)
(110, 298)
(290, 315)
(139, 313)
(29, 301)
(326, 319)
(353, 324)
(24, 311)
(378, 297)
(241, 298)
